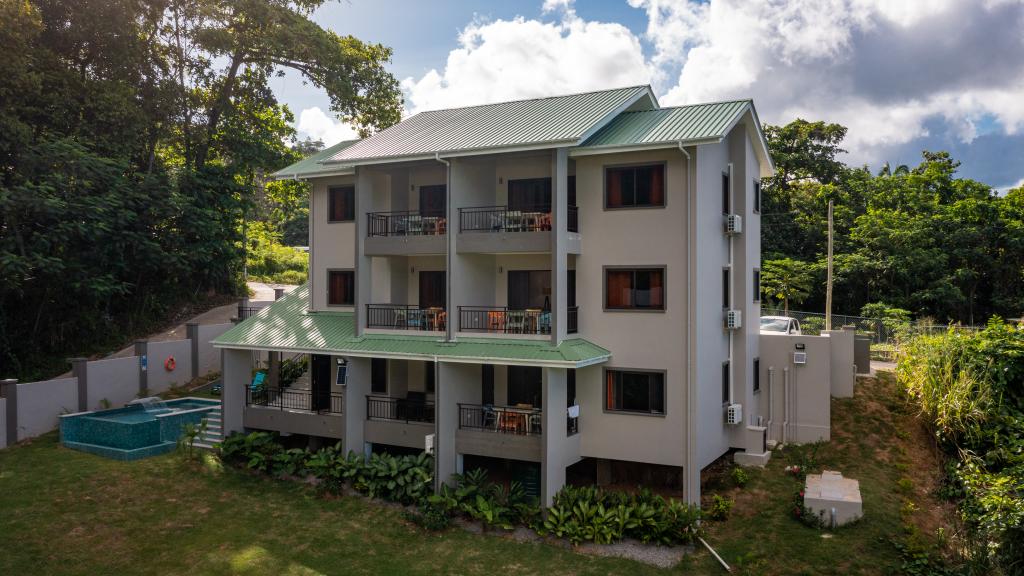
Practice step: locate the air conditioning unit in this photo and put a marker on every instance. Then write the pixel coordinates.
(733, 224)
(734, 414)
(799, 357)
(733, 319)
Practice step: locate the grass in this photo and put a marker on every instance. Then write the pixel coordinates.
(66, 512)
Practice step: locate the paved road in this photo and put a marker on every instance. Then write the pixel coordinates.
(262, 293)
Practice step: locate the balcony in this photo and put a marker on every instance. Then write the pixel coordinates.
(405, 317)
(399, 409)
(398, 421)
(500, 229)
(300, 400)
(500, 419)
(295, 412)
(502, 320)
(404, 233)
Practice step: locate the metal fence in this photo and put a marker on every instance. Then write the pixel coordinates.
(814, 322)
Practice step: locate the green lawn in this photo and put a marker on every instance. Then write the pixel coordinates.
(66, 512)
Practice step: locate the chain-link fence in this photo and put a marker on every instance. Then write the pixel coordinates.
(814, 322)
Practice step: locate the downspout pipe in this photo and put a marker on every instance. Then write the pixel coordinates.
(448, 256)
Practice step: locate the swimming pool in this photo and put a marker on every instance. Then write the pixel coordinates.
(135, 431)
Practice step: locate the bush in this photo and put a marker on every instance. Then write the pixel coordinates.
(601, 516)
(805, 515)
(739, 476)
(269, 261)
(967, 386)
(431, 514)
(720, 507)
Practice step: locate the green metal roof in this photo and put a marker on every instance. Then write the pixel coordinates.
(311, 166)
(684, 123)
(522, 123)
(287, 326)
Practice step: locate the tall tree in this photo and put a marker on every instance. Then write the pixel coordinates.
(786, 281)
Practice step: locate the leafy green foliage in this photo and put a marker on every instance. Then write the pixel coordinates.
(967, 385)
(135, 137)
(918, 238)
(721, 507)
(269, 261)
(786, 281)
(596, 515)
(739, 476)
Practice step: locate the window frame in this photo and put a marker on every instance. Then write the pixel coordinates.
(635, 165)
(757, 374)
(374, 375)
(726, 192)
(725, 382)
(757, 284)
(348, 206)
(757, 196)
(328, 290)
(726, 291)
(647, 371)
(634, 269)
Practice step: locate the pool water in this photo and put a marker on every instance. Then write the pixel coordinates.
(134, 432)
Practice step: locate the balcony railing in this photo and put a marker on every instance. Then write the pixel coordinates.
(506, 420)
(399, 409)
(286, 399)
(503, 320)
(405, 317)
(405, 223)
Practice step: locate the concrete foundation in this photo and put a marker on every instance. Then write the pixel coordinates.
(834, 498)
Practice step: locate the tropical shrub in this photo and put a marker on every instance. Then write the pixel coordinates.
(601, 516)
(720, 507)
(967, 386)
(739, 476)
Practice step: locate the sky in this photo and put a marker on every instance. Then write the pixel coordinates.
(902, 75)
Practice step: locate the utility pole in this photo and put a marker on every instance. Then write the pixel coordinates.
(828, 286)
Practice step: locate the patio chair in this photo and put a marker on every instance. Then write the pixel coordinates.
(515, 322)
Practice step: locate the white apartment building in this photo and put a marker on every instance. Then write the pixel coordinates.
(559, 287)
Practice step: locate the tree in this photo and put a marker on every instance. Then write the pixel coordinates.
(786, 280)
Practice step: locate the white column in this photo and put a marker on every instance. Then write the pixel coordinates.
(559, 243)
(558, 451)
(236, 373)
(356, 388)
(364, 286)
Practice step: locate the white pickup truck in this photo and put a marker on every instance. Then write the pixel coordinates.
(779, 325)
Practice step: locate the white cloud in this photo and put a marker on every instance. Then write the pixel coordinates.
(528, 58)
(883, 69)
(313, 122)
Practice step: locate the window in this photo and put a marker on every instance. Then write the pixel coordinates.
(757, 284)
(725, 382)
(757, 374)
(634, 186)
(379, 375)
(570, 387)
(757, 196)
(725, 287)
(433, 201)
(429, 377)
(641, 392)
(525, 386)
(341, 287)
(529, 289)
(725, 192)
(635, 289)
(342, 204)
(530, 195)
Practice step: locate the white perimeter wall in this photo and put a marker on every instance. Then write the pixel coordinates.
(41, 403)
(159, 378)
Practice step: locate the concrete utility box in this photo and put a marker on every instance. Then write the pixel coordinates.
(862, 354)
(828, 492)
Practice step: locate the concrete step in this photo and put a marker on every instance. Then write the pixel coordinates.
(203, 445)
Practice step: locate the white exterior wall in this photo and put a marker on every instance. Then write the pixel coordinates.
(40, 405)
(331, 243)
(115, 380)
(159, 378)
(643, 340)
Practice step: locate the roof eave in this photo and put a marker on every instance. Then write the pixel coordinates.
(620, 148)
(370, 161)
(421, 357)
